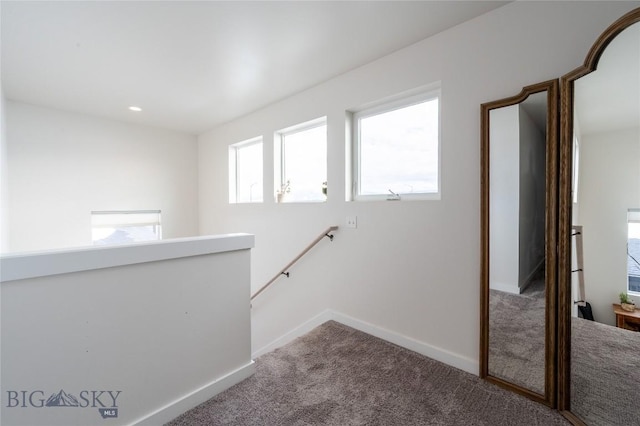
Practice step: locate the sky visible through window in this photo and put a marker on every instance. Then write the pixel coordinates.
(124, 234)
(399, 150)
(125, 227)
(249, 173)
(305, 163)
(633, 257)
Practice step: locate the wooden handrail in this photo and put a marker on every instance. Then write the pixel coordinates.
(284, 270)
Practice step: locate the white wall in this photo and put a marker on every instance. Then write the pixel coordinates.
(410, 267)
(504, 200)
(516, 198)
(532, 194)
(609, 185)
(165, 323)
(64, 165)
(4, 178)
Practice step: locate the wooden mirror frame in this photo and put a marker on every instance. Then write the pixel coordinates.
(565, 205)
(551, 181)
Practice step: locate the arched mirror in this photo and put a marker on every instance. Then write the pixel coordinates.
(518, 296)
(599, 231)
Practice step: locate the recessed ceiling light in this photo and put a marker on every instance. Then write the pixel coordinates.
(135, 108)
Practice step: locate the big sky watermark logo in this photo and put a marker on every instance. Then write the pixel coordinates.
(106, 401)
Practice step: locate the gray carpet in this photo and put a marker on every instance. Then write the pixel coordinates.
(605, 374)
(605, 360)
(516, 336)
(336, 375)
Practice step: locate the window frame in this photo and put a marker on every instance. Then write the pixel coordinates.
(99, 219)
(633, 216)
(233, 169)
(382, 107)
(280, 154)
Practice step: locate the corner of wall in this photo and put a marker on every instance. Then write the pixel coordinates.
(439, 354)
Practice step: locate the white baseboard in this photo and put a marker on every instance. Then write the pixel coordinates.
(507, 288)
(463, 363)
(197, 397)
(179, 406)
(527, 281)
(300, 330)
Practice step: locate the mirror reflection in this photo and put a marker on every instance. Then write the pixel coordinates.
(517, 194)
(605, 342)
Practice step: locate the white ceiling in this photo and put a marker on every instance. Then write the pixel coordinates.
(194, 65)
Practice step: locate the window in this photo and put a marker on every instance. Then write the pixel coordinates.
(302, 153)
(396, 149)
(245, 172)
(576, 167)
(633, 251)
(121, 227)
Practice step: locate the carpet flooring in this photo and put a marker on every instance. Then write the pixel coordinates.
(605, 374)
(516, 336)
(336, 375)
(605, 366)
